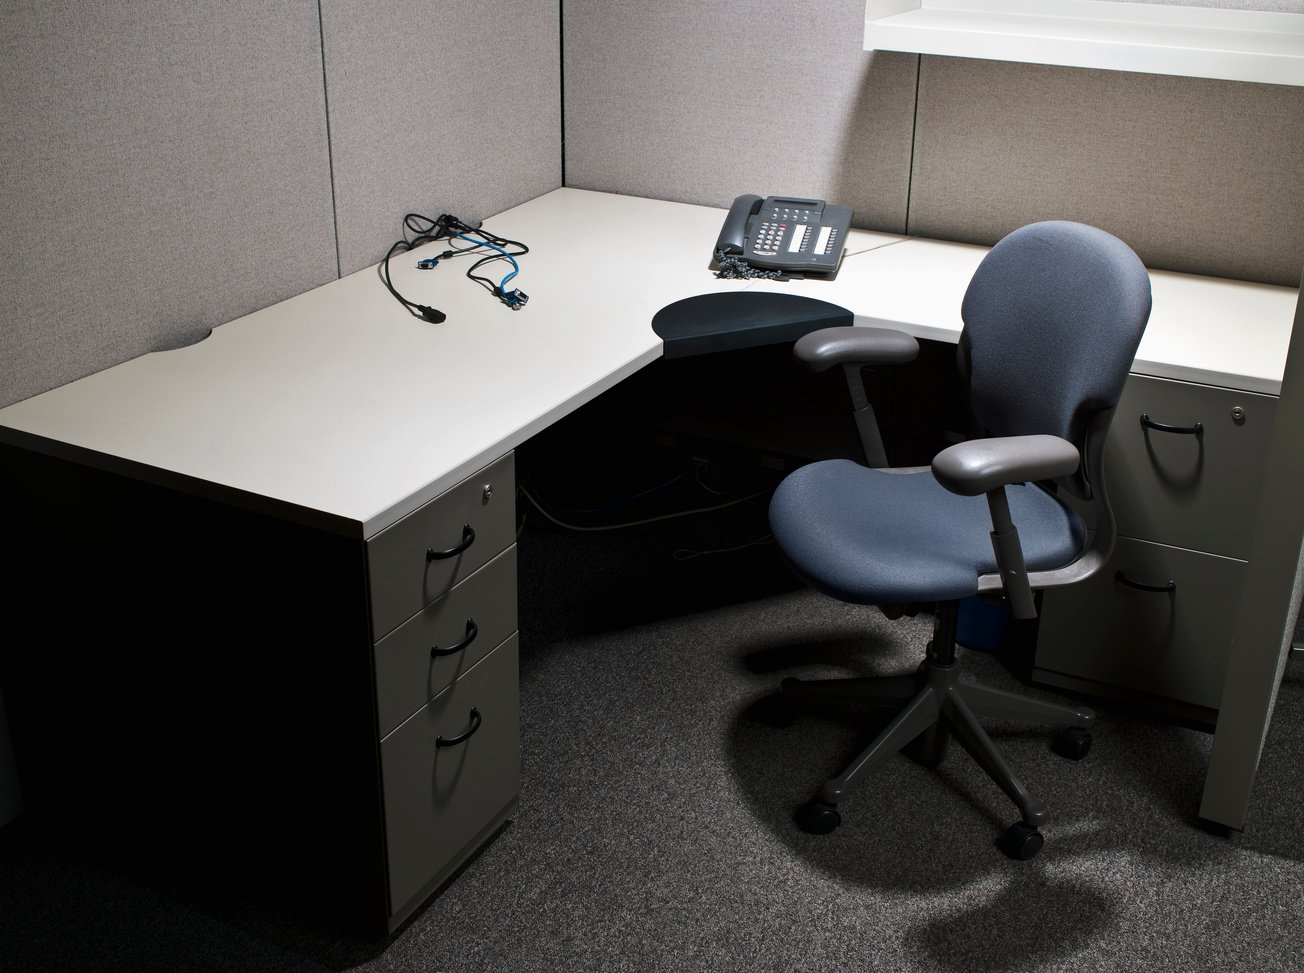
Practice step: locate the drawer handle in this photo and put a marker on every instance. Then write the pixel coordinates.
(464, 735)
(1195, 430)
(472, 630)
(1165, 588)
(468, 538)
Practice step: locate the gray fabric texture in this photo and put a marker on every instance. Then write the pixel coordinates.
(878, 538)
(701, 102)
(1197, 175)
(165, 171)
(438, 108)
(1052, 320)
(167, 168)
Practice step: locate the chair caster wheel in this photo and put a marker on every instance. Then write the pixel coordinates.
(1021, 841)
(817, 817)
(1074, 743)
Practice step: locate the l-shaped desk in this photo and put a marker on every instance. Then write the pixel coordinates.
(337, 453)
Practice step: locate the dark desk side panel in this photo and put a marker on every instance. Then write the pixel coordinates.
(191, 684)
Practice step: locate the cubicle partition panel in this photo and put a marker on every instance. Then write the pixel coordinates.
(165, 169)
(447, 108)
(702, 102)
(699, 102)
(169, 170)
(1197, 175)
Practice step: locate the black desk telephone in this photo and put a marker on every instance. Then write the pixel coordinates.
(803, 237)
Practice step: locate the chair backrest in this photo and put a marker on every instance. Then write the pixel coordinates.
(1052, 320)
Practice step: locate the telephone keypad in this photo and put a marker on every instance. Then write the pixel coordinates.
(768, 238)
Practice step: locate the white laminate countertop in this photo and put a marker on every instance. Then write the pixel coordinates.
(341, 405)
(1227, 333)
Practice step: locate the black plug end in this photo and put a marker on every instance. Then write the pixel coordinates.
(432, 315)
(443, 226)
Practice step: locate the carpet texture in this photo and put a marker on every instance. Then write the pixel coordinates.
(655, 833)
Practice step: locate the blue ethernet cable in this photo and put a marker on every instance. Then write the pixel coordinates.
(513, 299)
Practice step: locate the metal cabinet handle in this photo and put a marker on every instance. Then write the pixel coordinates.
(468, 538)
(464, 735)
(1195, 430)
(472, 630)
(1164, 588)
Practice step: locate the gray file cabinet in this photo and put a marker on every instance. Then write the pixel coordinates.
(447, 698)
(1155, 625)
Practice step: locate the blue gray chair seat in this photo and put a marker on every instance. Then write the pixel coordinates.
(877, 538)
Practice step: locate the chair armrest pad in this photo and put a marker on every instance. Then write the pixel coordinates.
(827, 347)
(979, 465)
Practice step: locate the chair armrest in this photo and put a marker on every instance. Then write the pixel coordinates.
(981, 465)
(986, 466)
(827, 347)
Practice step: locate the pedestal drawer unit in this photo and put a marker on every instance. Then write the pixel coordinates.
(1181, 464)
(268, 688)
(442, 585)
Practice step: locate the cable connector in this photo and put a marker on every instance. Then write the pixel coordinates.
(428, 263)
(431, 314)
(515, 299)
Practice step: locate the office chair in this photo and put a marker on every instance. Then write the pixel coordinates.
(1052, 320)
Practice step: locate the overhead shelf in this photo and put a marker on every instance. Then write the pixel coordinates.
(1153, 38)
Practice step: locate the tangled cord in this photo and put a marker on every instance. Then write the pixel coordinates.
(734, 267)
(419, 230)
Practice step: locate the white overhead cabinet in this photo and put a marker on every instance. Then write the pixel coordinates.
(1152, 38)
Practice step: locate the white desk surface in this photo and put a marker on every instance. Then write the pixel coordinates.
(1227, 333)
(341, 403)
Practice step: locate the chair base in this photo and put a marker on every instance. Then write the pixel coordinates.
(935, 704)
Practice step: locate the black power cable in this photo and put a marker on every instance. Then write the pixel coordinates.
(419, 230)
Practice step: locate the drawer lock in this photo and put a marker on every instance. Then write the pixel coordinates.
(472, 630)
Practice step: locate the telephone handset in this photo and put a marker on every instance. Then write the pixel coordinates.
(798, 236)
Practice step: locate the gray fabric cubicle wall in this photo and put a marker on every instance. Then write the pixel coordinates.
(170, 167)
(701, 102)
(165, 170)
(1199, 176)
(452, 107)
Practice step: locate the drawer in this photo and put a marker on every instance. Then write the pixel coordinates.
(1198, 492)
(480, 612)
(402, 574)
(439, 799)
(1169, 644)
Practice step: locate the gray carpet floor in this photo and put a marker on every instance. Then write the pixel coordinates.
(655, 833)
